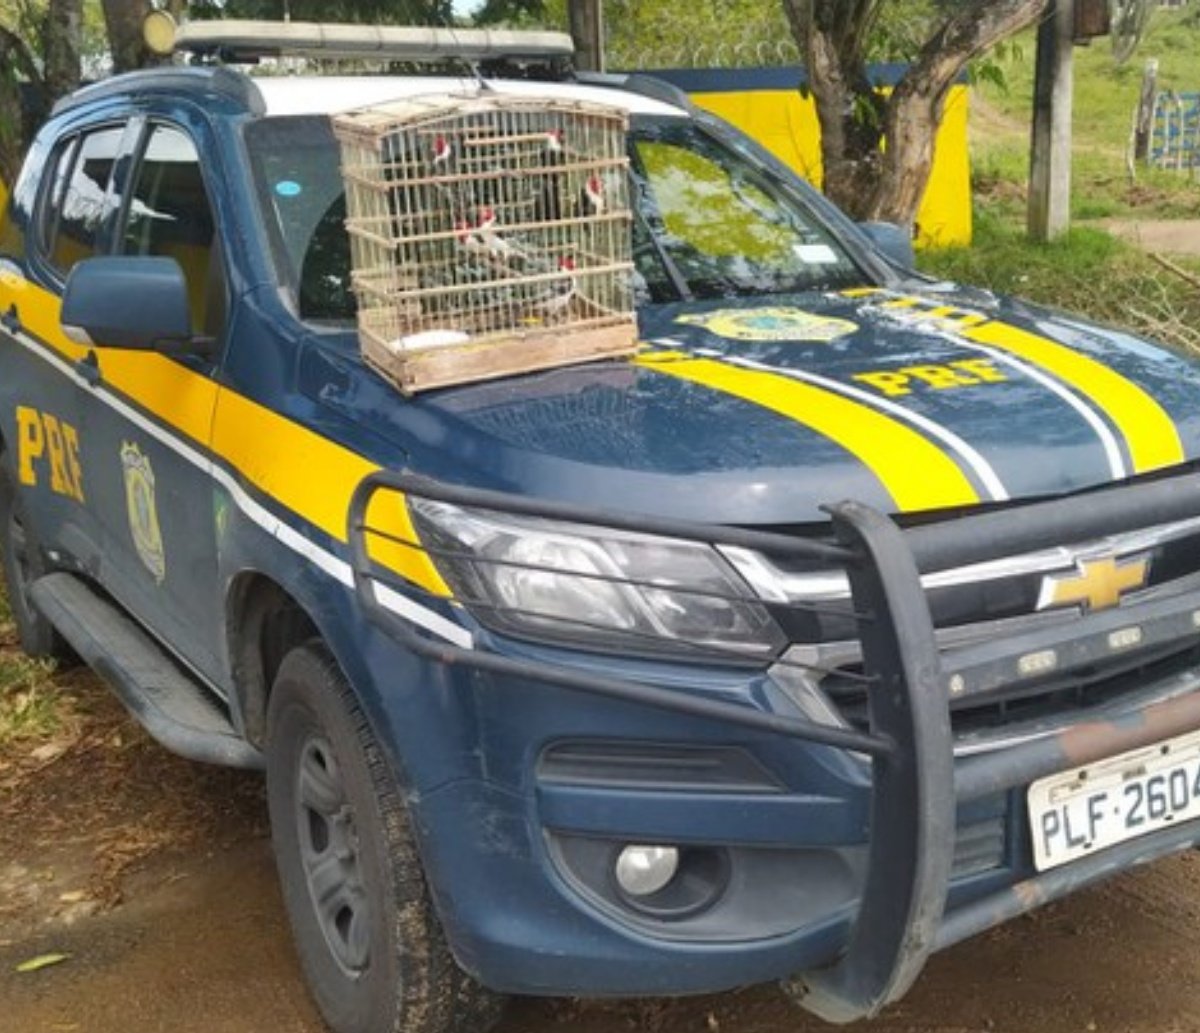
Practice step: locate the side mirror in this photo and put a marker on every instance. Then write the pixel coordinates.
(894, 241)
(127, 302)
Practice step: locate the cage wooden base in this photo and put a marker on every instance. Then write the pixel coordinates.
(413, 371)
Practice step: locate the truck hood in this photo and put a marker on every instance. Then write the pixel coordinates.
(761, 412)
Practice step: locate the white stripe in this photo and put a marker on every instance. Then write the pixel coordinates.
(1108, 440)
(336, 568)
(982, 468)
(938, 325)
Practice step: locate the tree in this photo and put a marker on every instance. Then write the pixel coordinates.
(39, 62)
(123, 20)
(877, 149)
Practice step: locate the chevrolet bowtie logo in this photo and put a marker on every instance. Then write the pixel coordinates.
(1096, 584)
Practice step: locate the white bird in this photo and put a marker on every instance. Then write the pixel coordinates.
(593, 195)
(442, 152)
(554, 141)
(558, 303)
(469, 240)
(499, 247)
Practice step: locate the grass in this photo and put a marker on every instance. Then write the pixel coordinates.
(1089, 272)
(1105, 98)
(32, 707)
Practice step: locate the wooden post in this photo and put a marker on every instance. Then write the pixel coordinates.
(1145, 112)
(587, 29)
(1049, 215)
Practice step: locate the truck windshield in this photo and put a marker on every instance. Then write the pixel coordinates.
(708, 221)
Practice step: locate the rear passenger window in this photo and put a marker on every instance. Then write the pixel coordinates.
(170, 216)
(75, 208)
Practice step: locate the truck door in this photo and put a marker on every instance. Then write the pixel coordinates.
(60, 214)
(150, 419)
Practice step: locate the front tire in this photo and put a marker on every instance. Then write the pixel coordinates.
(365, 929)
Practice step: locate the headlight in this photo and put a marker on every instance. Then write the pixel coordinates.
(594, 586)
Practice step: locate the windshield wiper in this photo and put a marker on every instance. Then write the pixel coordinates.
(678, 283)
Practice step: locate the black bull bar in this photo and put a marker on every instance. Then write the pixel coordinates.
(917, 784)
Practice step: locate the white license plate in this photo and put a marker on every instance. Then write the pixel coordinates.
(1078, 812)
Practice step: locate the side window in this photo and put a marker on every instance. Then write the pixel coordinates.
(170, 215)
(58, 174)
(74, 209)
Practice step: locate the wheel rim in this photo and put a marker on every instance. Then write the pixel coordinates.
(329, 854)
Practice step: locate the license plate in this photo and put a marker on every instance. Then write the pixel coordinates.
(1078, 812)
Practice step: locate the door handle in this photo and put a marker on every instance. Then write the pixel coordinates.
(89, 368)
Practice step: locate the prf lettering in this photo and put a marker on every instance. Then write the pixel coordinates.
(48, 445)
(962, 373)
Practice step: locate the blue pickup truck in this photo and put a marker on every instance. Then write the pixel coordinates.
(853, 615)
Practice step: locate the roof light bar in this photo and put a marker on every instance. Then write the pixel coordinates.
(236, 39)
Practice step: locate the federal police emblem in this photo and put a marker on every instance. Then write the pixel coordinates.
(142, 506)
(770, 324)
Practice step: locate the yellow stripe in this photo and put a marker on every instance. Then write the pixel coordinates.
(1149, 433)
(303, 471)
(916, 473)
(1152, 437)
(315, 478)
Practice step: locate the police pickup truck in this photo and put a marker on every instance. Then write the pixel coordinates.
(853, 615)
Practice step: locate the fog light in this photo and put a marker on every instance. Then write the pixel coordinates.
(644, 870)
(1041, 662)
(1125, 638)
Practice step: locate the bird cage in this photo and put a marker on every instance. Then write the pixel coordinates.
(489, 234)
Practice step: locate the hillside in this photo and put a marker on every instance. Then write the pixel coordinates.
(1105, 98)
(1091, 271)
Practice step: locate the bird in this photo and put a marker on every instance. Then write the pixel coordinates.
(499, 247)
(593, 201)
(469, 240)
(563, 291)
(442, 152)
(481, 242)
(554, 141)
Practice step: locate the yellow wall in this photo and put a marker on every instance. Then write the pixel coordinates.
(785, 122)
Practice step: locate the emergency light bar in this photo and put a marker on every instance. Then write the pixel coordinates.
(244, 40)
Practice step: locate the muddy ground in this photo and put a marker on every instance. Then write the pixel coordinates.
(1161, 236)
(155, 877)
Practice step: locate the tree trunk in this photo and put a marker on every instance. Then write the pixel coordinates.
(64, 35)
(16, 64)
(833, 37)
(587, 30)
(877, 150)
(912, 126)
(123, 20)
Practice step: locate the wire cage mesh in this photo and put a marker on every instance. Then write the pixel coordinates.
(489, 235)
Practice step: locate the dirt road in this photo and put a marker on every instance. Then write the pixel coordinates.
(155, 877)
(1162, 236)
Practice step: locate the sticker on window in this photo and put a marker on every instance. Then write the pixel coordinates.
(816, 254)
(288, 188)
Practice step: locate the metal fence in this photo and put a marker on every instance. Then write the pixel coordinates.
(718, 53)
(1175, 132)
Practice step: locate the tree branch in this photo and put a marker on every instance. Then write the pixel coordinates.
(16, 54)
(973, 30)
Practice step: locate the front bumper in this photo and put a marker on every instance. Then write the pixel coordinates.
(899, 901)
